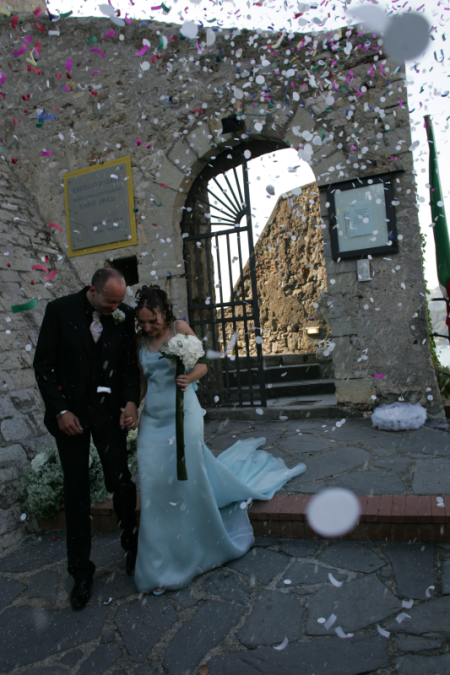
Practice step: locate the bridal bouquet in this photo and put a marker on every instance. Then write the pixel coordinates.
(188, 351)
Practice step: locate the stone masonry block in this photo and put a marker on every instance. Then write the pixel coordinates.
(15, 429)
(13, 455)
(355, 391)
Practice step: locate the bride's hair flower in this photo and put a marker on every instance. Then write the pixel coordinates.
(118, 316)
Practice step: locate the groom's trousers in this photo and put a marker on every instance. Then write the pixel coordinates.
(110, 442)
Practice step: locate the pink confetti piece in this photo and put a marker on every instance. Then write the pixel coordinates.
(56, 226)
(2, 78)
(154, 9)
(138, 142)
(67, 87)
(378, 375)
(400, 103)
(142, 51)
(94, 72)
(28, 39)
(20, 51)
(127, 19)
(349, 77)
(40, 267)
(46, 153)
(50, 276)
(69, 63)
(148, 146)
(382, 70)
(99, 51)
(109, 34)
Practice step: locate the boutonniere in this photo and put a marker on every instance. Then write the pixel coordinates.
(118, 316)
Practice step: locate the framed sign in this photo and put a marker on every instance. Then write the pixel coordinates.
(362, 217)
(100, 207)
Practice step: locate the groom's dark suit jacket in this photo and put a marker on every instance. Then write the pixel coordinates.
(64, 354)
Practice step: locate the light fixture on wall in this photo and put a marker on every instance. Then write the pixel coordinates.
(312, 330)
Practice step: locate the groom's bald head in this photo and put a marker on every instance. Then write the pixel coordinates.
(107, 290)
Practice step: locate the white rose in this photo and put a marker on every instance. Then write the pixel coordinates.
(39, 461)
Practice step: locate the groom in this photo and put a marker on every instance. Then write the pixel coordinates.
(87, 373)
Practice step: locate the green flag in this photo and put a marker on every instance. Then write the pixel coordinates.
(440, 230)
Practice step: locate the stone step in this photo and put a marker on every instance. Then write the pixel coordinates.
(313, 387)
(275, 374)
(382, 518)
(271, 360)
(314, 410)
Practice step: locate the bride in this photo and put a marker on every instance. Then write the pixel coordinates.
(191, 526)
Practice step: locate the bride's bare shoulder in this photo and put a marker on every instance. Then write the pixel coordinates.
(183, 327)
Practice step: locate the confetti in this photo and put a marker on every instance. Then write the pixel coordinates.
(107, 601)
(401, 617)
(333, 512)
(384, 633)
(283, 645)
(407, 604)
(330, 621)
(30, 304)
(341, 633)
(427, 592)
(334, 581)
(99, 51)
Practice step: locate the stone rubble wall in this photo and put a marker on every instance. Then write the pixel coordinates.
(26, 240)
(350, 113)
(290, 274)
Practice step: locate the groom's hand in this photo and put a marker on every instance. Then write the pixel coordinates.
(129, 416)
(69, 424)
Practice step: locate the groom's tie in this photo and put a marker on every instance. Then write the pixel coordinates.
(96, 326)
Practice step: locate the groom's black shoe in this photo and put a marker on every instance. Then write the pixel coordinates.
(80, 594)
(131, 563)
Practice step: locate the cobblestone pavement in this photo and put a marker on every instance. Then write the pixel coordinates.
(232, 618)
(354, 455)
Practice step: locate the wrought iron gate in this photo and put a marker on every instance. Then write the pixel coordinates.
(217, 222)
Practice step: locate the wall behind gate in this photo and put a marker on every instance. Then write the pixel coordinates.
(334, 99)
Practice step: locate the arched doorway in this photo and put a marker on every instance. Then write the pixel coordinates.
(225, 280)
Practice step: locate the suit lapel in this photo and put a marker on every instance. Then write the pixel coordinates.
(78, 302)
(108, 329)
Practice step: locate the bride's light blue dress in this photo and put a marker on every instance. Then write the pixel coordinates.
(189, 527)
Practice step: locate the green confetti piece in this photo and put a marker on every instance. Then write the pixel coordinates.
(135, 210)
(165, 8)
(161, 43)
(328, 110)
(64, 16)
(91, 40)
(40, 124)
(31, 304)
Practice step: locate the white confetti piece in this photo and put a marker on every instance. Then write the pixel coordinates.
(401, 617)
(259, 411)
(145, 65)
(189, 29)
(270, 189)
(103, 390)
(330, 621)
(243, 505)
(440, 502)
(283, 645)
(108, 601)
(341, 633)
(334, 581)
(288, 582)
(28, 348)
(173, 503)
(321, 619)
(384, 633)
(333, 512)
(427, 592)
(23, 517)
(407, 604)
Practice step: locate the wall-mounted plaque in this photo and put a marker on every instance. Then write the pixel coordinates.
(362, 217)
(99, 207)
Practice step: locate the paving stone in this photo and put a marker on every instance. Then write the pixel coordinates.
(9, 589)
(307, 574)
(183, 597)
(101, 659)
(423, 665)
(205, 630)
(273, 616)
(103, 555)
(228, 586)
(429, 617)
(331, 463)
(357, 604)
(71, 658)
(46, 670)
(114, 585)
(141, 625)
(446, 577)
(35, 554)
(267, 542)
(145, 669)
(298, 548)
(413, 568)
(415, 643)
(427, 442)
(349, 555)
(432, 477)
(371, 483)
(304, 444)
(355, 433)
(393, 463)
(107, 637)
(386, 572)
(118, 672)
(103, 539)
(44, 584)
(46, 632)
(260, 563)
(361, 654)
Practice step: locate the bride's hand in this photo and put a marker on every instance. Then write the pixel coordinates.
(182, 381)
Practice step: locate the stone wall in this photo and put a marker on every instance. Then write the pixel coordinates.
(290, 274)
(26, 241)
(346, 109)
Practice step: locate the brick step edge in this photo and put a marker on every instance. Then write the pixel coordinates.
(383, 518)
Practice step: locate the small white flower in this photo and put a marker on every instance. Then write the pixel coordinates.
(118, 316)
(187, 347)
(39, 461)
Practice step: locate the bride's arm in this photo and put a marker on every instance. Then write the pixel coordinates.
(142, 380)
(199, 370)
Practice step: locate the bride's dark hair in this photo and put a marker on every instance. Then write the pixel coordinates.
(153, 297)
